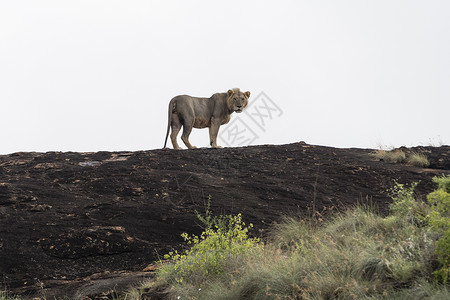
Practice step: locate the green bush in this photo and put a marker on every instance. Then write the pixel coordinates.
(210, 252)
(439, 221)
(405, 205)
(443, 253)
(439, 216)
(443, 183)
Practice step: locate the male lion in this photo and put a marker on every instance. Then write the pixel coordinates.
(196, 112)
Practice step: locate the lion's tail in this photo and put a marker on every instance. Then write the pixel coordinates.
(169, 120)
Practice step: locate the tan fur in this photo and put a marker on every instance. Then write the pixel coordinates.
(193, 112)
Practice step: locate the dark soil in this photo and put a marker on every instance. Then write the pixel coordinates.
(78, 224)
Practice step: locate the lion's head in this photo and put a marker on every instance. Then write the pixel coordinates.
(237, 100)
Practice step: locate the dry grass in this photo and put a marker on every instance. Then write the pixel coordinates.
(418, 159)
(392, 156)
(413, 158)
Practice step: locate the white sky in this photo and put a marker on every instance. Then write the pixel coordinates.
(98, 75)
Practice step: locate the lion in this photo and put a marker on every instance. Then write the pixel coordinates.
(193, 112)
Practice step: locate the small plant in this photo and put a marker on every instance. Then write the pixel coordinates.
(209, 220)
(418, 159)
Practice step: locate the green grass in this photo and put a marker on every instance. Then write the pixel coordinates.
(357, 254)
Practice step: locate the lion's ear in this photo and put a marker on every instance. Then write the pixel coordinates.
(230, 92)
(247, 94)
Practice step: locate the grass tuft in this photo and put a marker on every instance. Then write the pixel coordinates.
(413, 158)
(4, 295)
(418, 159)
(392, 156)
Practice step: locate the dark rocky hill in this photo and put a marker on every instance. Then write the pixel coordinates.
(74, 223)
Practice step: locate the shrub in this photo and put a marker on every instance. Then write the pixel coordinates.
(405, 205)
(439, 221)
(210, 252)
(443, 253)
(443, 183)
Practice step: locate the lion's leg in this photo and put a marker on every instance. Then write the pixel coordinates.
(176, 127)
(213, 132)
(187, 128)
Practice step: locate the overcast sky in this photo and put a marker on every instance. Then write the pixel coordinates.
(98, 75)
